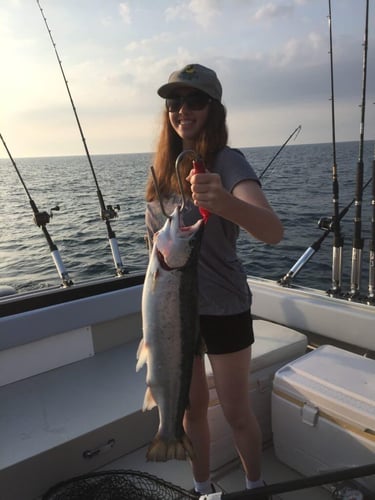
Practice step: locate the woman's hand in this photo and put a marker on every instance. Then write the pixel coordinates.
(246, 206)
(207, 191)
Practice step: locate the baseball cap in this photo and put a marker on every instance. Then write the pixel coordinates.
(196, 76)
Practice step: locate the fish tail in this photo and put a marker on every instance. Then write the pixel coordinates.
(161, 450)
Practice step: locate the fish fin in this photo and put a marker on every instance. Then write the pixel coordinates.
(161, 450)
(149, 401)
(141, 355)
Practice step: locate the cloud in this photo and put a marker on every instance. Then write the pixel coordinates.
(272, 10)
(272, 57)
(179, 11)
(295, 73)
(146, 44)
(125, 12)
(106, 21)
(202, 12)
(300, 52)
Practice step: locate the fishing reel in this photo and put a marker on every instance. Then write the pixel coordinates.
(41, 219)
(110, 212)
(326, 224)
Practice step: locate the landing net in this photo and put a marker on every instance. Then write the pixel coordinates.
(116, 485)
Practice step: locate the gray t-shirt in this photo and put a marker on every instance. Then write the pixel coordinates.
(223, 288)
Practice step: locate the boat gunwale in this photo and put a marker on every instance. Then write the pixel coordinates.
(38, 299)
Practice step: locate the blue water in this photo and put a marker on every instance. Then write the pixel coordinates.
(298, 185)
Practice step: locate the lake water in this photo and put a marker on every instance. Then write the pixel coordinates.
(298, 185)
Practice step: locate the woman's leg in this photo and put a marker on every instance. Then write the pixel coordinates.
(231, 372)
(196, 423)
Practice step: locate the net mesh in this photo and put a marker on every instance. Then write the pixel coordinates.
(116, 485)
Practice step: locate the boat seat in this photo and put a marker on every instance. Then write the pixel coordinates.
(72, 419)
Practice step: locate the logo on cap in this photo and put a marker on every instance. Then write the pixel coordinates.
(189, 72)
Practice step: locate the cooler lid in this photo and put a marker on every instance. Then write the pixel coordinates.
(337, 381)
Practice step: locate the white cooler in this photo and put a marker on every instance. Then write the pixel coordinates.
(274, 346)
(323, 412)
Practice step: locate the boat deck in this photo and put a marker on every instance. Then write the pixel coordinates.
(78, 381)
(228, 479)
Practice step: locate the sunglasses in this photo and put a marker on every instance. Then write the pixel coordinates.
(195, 102)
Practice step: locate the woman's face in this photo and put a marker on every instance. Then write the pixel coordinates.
(188, 111)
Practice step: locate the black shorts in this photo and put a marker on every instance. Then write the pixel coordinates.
(225, 334)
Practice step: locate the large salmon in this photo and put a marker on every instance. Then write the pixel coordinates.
(170, 332)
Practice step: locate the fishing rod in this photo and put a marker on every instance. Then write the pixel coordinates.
(106, 212)
(334, 477)
(338, 240)
(41, 219)
(371, 279)
(325, 223)
(295, 132)
(355, 275)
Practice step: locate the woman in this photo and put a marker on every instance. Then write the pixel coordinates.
(195, 119)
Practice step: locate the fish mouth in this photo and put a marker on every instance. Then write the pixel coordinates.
(184, 240)
(183, 230)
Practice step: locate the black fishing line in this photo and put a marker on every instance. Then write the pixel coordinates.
(41, 219)
(107, 212)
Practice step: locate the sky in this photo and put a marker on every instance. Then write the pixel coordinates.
(272, 58)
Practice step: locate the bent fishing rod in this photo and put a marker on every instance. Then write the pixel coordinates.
(325, 223)
(295, 132)
(41, 219)
(338, 240)
(106, 212)
(356, 268)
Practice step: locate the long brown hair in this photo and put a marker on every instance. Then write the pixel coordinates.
(212, 139)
